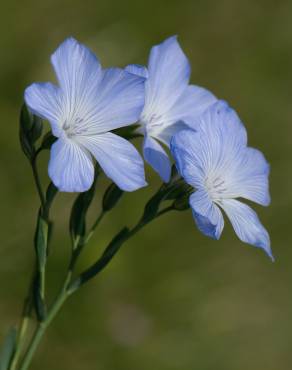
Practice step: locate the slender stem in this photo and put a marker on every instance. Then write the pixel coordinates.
(42, 326)
(38, 183)
(94, 226)
(20, 342)
(28, 304)
(111, 250)
(26, 314)
(67, 290)
(140, 225)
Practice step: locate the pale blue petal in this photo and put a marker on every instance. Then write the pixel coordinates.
(215, 150)
(138, 70)
(96, 100)
(169, 74)
(119, 101)
(250, 179)
(79, 73)
(70, 168)
(190, 156)
(221, 122)
(207, 215)
(155, 155)
(193, 102)
(45, 101)
(169, 131)
(247, 224)
(118, 158)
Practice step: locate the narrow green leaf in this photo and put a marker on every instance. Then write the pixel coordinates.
(111, 197)
(39, 304)
(41, 240)
(50, 194)
(7, 349)
(41, 244)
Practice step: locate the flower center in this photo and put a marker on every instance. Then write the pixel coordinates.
(216, 187)
(74, 127)
(151, 122)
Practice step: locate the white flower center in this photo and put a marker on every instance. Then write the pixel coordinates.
(74, 127)
(152, 122)
(216, 187)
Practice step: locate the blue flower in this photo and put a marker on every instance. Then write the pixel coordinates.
(89, 103)
(216, 161)
(170, 102)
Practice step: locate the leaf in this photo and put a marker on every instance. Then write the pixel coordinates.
(41, 240)
(52, 191)
(41, 244)
(103, 261)
(111, 197)
(7, 349)
(39, 304)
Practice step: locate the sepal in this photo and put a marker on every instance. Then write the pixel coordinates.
(48, 140)
(182, 202)
(128, 132)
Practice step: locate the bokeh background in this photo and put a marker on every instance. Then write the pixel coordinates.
(173, 299)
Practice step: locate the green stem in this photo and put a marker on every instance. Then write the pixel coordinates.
(94, 226)
(38, 183)
(111, 250)
(67, 290)
(42, 326)
(20, 342)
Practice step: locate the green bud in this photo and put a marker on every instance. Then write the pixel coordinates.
(111, 197)
(79, 211)
(37, 129)
(26, 119)
(30, 130)
(26, 123)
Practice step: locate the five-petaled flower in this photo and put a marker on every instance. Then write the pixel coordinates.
(89, 103)
(170, 102)
(216, 161)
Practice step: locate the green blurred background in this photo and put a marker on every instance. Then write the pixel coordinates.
(173, 299)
